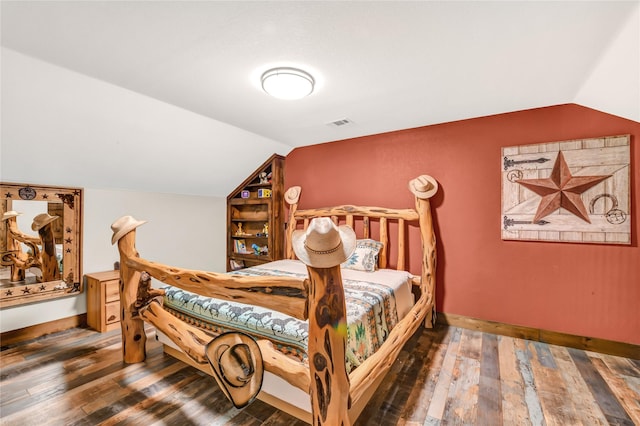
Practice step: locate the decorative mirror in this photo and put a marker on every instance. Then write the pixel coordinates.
(40, 243)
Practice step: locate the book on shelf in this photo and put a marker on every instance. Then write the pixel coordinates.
(240, 246)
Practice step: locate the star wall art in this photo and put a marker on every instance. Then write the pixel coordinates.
(572, 191)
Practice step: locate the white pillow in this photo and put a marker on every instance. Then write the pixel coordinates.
(365, 256)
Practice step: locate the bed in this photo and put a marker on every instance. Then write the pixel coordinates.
(325, 335)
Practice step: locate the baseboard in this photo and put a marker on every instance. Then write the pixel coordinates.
(39, 330)
(627, 350)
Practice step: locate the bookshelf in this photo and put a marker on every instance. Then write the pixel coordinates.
(255, 217)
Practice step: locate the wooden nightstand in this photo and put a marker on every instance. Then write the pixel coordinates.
(103, 300)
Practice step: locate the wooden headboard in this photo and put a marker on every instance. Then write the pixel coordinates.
(348, 214)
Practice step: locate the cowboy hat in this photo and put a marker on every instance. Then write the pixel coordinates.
(41, 220)
(292, 195)
(236, 361)
(324, 244)
(123, 226)
(10, 214)
(423, 186)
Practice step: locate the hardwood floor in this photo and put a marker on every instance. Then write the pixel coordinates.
(444, 376)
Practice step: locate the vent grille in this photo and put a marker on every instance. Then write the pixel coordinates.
(340, 123)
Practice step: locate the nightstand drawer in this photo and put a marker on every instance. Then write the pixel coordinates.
(112, 312)
(103, 300)
(112, 291)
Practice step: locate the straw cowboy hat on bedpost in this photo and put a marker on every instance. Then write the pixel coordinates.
(123, 226)
(423, 186)
(236, 361)
(324, 244)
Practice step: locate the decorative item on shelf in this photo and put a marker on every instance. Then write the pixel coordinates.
(236, 264)
(264, 193)
(245, 194)
(258, 251)
(264, 178)
(239, 231)
(265, 229)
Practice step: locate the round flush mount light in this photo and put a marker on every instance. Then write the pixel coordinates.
(287, 83)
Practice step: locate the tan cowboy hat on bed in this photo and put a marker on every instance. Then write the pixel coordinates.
(237, 364)
(124, 225)
(324, 244)
(41, 220)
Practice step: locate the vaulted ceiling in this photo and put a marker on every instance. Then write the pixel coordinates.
(381, 65)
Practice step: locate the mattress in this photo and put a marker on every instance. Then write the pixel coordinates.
(375, 302)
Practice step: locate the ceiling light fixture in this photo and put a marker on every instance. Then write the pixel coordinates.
(287, 83)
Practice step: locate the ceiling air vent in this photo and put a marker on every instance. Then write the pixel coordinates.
(340, 123)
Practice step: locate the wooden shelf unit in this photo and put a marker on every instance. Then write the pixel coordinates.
(252, 213)
(103, 300)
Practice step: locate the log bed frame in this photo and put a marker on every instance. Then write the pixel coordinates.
(337, 397)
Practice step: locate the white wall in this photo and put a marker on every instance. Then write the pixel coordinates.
(614, 83)
(41, 102)
(184, 231)
(64, 128)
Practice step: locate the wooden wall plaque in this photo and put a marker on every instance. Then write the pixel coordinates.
(572, 191)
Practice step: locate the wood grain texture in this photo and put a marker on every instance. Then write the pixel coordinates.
(77, 377)
(621, 349)
(595, 202)
(285, 294)
(327, 346)
(66, 231)
(333, 392)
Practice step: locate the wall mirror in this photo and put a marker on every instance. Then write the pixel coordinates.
(40, 243)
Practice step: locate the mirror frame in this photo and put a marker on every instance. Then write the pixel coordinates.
(71, 282)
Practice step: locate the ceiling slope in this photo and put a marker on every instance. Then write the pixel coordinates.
(164, 95)
(383, 65)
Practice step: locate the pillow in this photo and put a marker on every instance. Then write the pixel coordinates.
(365, 256)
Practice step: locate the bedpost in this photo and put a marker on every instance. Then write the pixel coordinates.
(291, 197)
(323, 247)
(424, 187)
(327, 346)
(134, 338)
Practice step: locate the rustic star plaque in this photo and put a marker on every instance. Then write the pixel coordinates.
(573, 191)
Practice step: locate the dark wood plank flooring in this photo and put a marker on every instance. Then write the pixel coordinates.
(443, 376)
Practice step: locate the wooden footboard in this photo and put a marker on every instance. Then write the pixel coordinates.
(336, 396)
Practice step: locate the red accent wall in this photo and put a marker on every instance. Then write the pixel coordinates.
(583, 289)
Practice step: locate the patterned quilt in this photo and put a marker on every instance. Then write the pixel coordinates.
(371, 314)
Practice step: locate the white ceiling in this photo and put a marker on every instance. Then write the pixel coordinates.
(384, 65)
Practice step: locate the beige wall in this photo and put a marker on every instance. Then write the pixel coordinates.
(43, 102)
(185, 231)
